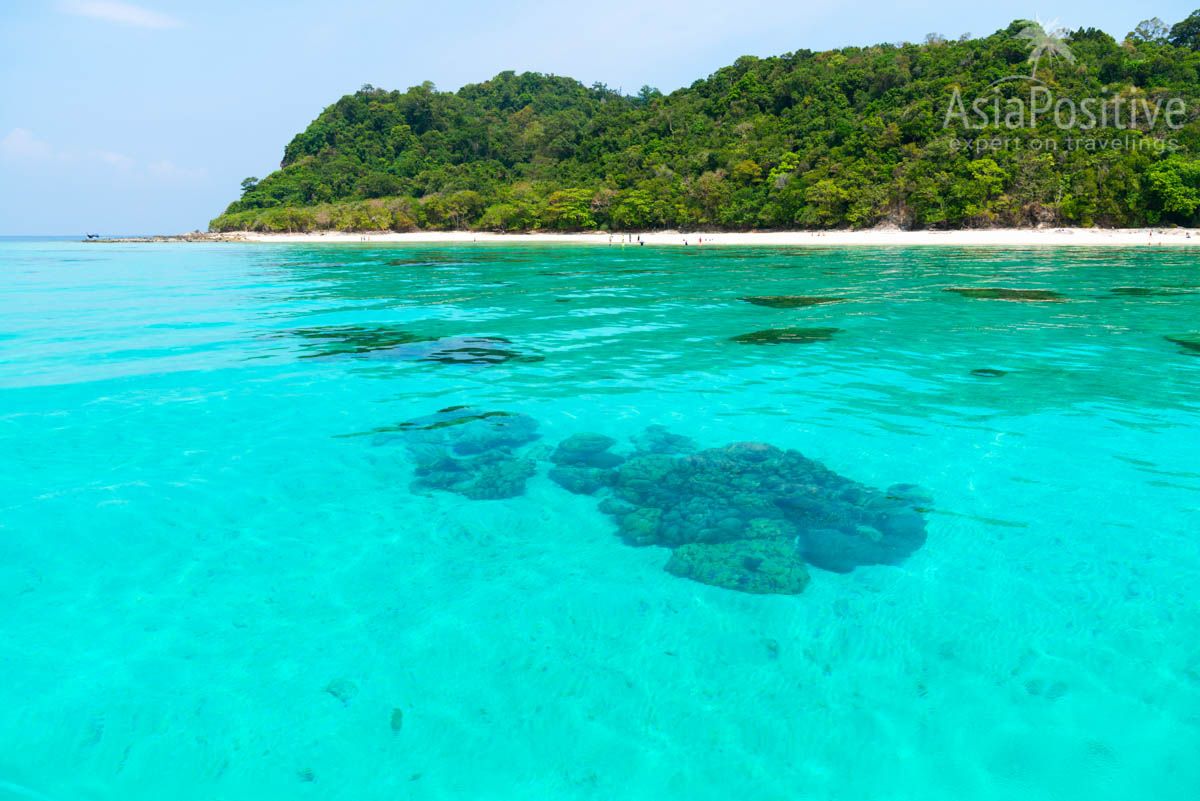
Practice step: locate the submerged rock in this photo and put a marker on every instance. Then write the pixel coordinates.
(657, 439)
(756, 566)
(583, 463)
(469, 452)
(1148, 291)
(790, 301)
(342, 689)
(487, 477)
(354, 340)
(747, 516)
(586, 450)
(751, 491)
(466, 430)
(1189, 342)
(475, 350)
(581, 480)
(1003, 293)
(781, 336)
(386, 343)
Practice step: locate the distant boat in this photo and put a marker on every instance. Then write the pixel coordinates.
(92, 236)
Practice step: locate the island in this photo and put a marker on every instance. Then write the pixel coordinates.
(1027, 127)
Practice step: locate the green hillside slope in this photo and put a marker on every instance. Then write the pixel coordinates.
(858, 137)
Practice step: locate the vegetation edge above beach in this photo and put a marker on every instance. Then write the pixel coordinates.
(1009, 238)
(845, 139)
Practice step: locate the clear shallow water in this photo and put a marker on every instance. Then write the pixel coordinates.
(208, 591)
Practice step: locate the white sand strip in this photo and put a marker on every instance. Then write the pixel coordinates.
(997, 237)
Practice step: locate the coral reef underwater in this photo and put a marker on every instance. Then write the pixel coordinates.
(387, 343)
(475, 454)
(747, 516)
(750, 492)
(790, 301)
(786, 336)
(1188, 342)
(1006, 293)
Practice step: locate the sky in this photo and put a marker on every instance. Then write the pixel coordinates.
(144, 117)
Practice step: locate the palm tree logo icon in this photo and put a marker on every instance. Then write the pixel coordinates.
(1045, 40)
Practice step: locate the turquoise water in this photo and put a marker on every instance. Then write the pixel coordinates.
(210, 589)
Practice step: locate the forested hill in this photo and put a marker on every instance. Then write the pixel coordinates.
(890, 134)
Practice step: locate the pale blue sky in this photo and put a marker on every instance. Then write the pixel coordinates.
(143, 117)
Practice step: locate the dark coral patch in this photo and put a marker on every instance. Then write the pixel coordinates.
(1003, 293)
(786, 336)
(790, 301)
(386, 343)
(467, 431)
(1147, 291)
(583, 463)
(581, 480)
(474, 453)
(755, 566)
(352, 340)
(657, 439)
(586, 450)
(753, 492)
(475, 350)
(1189, 342)
(489, 476)
(443, 419)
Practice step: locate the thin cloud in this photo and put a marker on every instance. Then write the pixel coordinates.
(23, 148)
(22, 144)
(171, 172)
(120, 13)
(118, 160)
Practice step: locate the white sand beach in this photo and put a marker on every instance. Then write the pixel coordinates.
(997, 237)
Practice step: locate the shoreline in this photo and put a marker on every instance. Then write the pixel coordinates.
(989, 237)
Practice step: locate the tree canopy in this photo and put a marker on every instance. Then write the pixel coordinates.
(854, 137)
